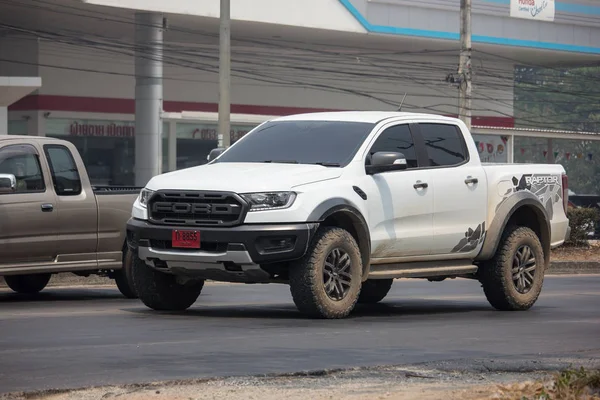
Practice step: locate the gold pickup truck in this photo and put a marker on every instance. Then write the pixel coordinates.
(53, 220)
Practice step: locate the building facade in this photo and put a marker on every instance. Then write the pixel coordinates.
(287, 57)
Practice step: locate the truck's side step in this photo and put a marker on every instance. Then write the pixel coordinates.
(422, 269)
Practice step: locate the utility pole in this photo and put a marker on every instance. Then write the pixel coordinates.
(464, 67)
(225, 74)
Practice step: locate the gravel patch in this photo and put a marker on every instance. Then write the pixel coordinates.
(453, 380)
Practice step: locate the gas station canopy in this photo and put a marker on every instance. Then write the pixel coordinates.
(13, 89)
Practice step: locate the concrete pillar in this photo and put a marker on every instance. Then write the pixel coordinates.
(172, 146)
(3, 121)
(510, 155)
(148, 96)
(36, 125)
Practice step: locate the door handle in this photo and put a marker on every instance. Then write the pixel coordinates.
(47, 207)
(471, 180)
(420, 184)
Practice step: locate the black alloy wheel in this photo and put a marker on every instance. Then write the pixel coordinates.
(336, 274)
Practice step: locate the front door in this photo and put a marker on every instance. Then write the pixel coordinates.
(460, 196)
(75, 206)
(400, 202)
(27, 222)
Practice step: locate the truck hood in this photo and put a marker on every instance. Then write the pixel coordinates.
(244, 177)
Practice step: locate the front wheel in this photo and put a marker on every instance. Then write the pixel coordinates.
(326, 282)
(124, 278)
(512, 280)
(27, 284)
(161, 291)
(374, 290)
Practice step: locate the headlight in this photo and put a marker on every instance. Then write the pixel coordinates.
(269, 201)
(145, 195)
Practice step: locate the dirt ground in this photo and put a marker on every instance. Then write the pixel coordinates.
(388, 384)
(384, 383)
(569, 253)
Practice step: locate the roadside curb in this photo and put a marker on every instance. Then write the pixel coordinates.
(573, 267)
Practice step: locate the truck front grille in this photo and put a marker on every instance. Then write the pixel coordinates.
(196, 208)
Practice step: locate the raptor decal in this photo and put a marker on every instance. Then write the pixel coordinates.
(472, 239)
(546, 187)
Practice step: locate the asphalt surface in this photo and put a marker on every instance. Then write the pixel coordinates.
(76, 337)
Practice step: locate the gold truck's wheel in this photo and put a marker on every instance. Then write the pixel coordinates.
(27, 284)
(123, 277)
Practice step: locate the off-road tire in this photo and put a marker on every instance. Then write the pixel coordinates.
(307, 284)
(160, 291)
(27, 284)
(124, 278)
(496, 276)
(374, 290)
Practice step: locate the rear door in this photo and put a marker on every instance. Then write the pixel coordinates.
(27, 221)
(75, 206)
(460, 190)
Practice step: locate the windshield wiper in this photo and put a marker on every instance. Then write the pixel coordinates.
(281, 161)
(328, 164)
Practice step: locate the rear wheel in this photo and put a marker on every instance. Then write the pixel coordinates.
(326, 282)
(124, 278)
(161, 291)
(27, 284)
(513, 279)
(374, 290)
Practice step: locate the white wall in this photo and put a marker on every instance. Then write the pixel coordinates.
(331, 14)
(72, 75)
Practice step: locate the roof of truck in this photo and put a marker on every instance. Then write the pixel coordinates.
(359, 116)
(26, 137)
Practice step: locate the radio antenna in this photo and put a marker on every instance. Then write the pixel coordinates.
(402, 102)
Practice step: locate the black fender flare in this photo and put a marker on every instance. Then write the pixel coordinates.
(504, 213)
(343, 206)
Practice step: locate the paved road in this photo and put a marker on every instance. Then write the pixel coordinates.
(78, 337)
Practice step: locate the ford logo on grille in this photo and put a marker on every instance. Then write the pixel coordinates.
(196, 208)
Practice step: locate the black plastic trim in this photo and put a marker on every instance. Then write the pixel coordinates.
(243, 205)
(142, 232)
(360, 192)
(115, 190)
(340, 205)
(504, 214)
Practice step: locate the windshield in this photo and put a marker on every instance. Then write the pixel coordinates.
(330, 143)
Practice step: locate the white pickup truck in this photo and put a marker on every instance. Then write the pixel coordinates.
(338, 205)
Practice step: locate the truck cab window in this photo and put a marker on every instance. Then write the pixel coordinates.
(399, 139)
(444, 144)
(22, 161)
(64, 171)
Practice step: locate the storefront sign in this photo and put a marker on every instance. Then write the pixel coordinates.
(105, 129)
(492, 149)
(126, 129)
(90, 128)
(540, 10)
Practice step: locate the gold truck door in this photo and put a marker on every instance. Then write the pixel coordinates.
(28, 220)
(76, 207)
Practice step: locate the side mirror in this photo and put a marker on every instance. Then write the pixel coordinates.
(384, 161)
(8, 183)
(214, 153)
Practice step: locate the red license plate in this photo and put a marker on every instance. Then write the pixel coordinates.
(186, 239)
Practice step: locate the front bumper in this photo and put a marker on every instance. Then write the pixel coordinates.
(233, 254)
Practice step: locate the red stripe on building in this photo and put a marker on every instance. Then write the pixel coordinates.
(127, 106)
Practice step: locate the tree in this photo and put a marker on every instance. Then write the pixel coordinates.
(560, 99)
